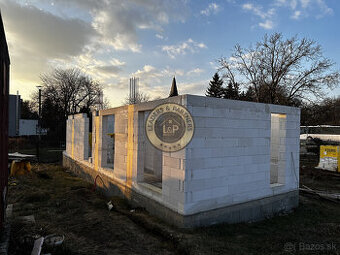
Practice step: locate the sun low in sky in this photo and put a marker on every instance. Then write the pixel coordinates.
(112, 40)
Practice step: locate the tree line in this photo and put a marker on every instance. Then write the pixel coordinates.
(276, 70)
(231, 91)
(63, 92)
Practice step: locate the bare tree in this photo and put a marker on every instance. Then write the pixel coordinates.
(140, 98)
(281, 71)
(71, 90)
(65, 92)
(105, 103)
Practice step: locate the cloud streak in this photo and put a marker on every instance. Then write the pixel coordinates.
(81, 33)
(265, 16)
(36, 36)
(118, 22)
(183, 48)
(299, 9)
(212, 8)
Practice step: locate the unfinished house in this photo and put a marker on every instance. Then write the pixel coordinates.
(192, 160)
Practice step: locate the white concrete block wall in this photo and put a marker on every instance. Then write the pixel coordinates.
(121, 139)
(140, 147)
(79, 123)
(173, 164)
(292, 150)
(69, 135)
(153, 159)
(107, 141)
(94, 136)
(173, 179)
(113, 122)
(228, 159)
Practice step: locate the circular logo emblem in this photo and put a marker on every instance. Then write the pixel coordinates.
(169, 127)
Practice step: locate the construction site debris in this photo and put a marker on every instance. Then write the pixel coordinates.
(335, 197)
(20, 168)
(37, 246)
(29, 219)
(109, 205)
(54, 240)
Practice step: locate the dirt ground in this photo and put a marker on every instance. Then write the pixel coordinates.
(66, 205)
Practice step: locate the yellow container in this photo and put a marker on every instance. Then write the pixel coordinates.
(329, 151)
(20, 168)
(330, 154)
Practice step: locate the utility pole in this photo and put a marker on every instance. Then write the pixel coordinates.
(39, 125)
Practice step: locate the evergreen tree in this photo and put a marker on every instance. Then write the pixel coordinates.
(215, 88)
(232, 91)
(249, 95)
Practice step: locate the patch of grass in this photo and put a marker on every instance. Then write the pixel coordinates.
(65, 204)
(43, 175)
(36, 197)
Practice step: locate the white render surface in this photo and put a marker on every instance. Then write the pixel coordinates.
(227, 162)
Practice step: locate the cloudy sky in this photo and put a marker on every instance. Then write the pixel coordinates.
(112, 40)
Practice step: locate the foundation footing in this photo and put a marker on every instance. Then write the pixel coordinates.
(245, 212)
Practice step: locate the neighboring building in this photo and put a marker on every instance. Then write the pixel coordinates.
(192, 160)
(14, 113)
(4, 89)
(18, 126)
(28, 127)
(324, 132)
